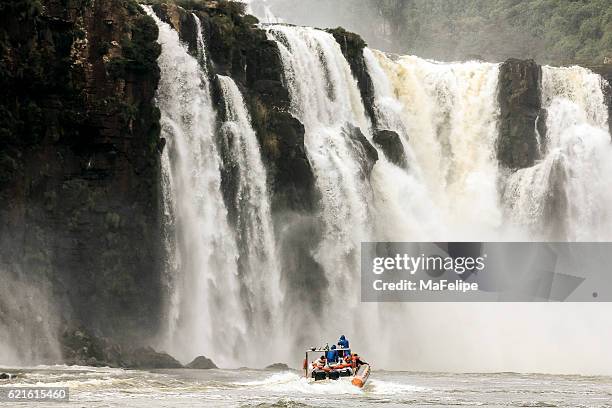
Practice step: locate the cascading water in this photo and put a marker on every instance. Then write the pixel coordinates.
(260, 271)
(325, 98)
(566, 196)
(450, 112)
(207, 284)
(399, 216)
(226, 274)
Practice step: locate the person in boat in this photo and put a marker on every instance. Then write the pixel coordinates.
(319, 363)
(332, 355)
(344, 343)
(357, 361)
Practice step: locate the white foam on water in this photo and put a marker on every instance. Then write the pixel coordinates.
(292, 383)
(391, 388)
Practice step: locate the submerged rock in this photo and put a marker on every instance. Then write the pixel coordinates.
(390, 142)
(278, 367)
(201, 363)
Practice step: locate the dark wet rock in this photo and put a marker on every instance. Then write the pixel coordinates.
(278, 367)
(364, 152)
(80, 347)
(5, 376)
(79, 163)
(520, 106)
(352, 46)
(391, 144)
(148, 358)
(201, 363)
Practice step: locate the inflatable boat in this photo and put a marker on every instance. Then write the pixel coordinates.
(335, 371)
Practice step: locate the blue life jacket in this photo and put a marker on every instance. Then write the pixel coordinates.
(332, 356)
(343, 342)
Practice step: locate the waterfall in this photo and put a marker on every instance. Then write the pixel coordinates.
(566, 196)
(229, 288)
(450, 113)
(325, 98)
(260, 271)
(207, 285)
(416, 217)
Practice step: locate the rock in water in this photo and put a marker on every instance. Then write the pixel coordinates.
(147, 357)
(390, 142)
(5, 376)
(278, 367)
(201, 363)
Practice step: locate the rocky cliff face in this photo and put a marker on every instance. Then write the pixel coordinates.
(352, 46)
(522, 115)
(79, 160)
(520, 110)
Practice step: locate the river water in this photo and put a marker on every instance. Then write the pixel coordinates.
(109, 387)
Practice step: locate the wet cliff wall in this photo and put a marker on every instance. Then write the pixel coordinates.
(79, 160)
(522, 116)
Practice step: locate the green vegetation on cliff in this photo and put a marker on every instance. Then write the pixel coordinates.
(550, 31)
